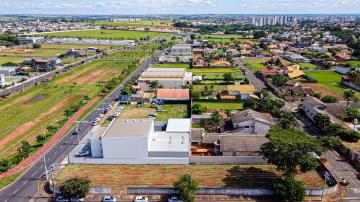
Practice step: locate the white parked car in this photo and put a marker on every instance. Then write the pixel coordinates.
(109, 198)
(141, 199)
(54, 166)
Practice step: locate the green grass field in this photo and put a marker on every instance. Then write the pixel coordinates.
(329, 79)
(213, 70)
(221, 105)
(308, 66)
(143, 23)
(173, 65)
(353, 64)
(4, 60)
(35, 53)
(27, 114)
(76, 46)
(128, 55)
(105, 34)
(253, 64)
(170, 111)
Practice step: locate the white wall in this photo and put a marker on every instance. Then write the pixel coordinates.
(96, 148)
(310, 111)
(125, 147)
(261, 127)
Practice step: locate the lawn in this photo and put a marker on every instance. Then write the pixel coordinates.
(4, 60)
(105, 34)
(170, 111)
(221, 105)
(27, 114)
(253, 64)
(308, 66)
(353, 64)
(128, 55)
(172, 65)
(120, 177)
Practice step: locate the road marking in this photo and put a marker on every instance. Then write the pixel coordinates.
(15, 191)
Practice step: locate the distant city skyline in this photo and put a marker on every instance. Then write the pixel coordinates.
(143, 7)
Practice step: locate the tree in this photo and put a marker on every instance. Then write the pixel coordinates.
(75, 187)
(259, 34)
(192, 36)
(127, 90)
(290, 149)
(322, 121)
(216, 119)
(349, 95)
(154, 84)
(187, 188)
(289, 189)
(287, 120)
(329, 99)
(353, 112)
(195, 94)
(198, 109)
(24, 150)
(228, 77)
(40, 139)
(36, 46)
(279, 80)
(330, 142)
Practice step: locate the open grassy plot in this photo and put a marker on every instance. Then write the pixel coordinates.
(221, 105)
(353, 64)
(308, 66)
(170, 111)
(105, 34)
(213, 70)
(128, 55)
(4, 60)
(67, 46)
(35, 53)
(225, 38)
(172, 65)
(253, 64)
(120, 177)
(28, 114)
(142, 23)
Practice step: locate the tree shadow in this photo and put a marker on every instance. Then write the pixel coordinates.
(250, 177)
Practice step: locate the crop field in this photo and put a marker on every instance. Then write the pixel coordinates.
(143, 23)
(32, 53)
(128, 55)
(170, 111)
(28, 114)
(105, 34)
(221, 105)
(120, 177)
(253, 64)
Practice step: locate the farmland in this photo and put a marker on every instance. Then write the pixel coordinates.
(253, 64)
(169, 111)
(119, 177)
(29, 113)
(106, 34)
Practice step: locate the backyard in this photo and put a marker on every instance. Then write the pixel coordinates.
(120, 177)
(221, 105)
(106, 34)
(169, 111)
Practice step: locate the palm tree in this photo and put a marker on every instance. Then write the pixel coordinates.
(349, 95)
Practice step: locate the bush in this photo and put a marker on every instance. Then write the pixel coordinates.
(329, 99)
(75, 187)
(289, 190)
(198, 109)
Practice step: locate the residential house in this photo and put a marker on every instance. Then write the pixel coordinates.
(342, 56)
(2, 81)
(241, 145)
(173, 78)
(252, 122)
(294, 72)
(293, 57)
(8, 70)
(237, 92)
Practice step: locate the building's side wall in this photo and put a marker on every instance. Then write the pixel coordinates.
(261, 127)
(310, 111)
(96, 148)
(125, 147)
(246, 126)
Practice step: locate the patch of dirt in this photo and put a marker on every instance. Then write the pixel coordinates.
(18, 100)
(24, 128)
(71, 78)
(323, 90)
(91, 78)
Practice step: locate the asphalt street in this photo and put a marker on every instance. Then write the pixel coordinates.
(25, 188)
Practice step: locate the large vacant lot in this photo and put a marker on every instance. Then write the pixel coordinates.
(142, 23)
(105, 34)
(119, 177)
(26, 115)
(253, 64)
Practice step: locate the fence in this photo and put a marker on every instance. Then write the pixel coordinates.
(245, 160)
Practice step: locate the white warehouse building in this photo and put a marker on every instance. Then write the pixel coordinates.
(135, 141)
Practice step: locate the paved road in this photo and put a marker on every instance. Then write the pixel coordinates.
(26, 186)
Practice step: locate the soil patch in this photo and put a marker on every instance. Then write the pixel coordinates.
(71, 78)
(91, 78)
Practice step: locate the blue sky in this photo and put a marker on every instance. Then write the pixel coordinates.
(120, 7)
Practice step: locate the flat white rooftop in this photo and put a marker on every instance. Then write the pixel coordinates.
(129, 128)
(178, 125)
(169, 142)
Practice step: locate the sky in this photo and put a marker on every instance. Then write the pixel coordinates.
(135, 7)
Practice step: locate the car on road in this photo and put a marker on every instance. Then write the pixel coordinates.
(174, 199)
(109, 198)
(61, 199)
(54, 166)
(101, 115)
(344, 182)
(93, 123)
(141, 199)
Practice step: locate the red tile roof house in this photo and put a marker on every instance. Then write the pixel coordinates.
(173, 94)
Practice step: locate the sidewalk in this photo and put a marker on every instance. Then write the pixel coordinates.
(49, 144)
